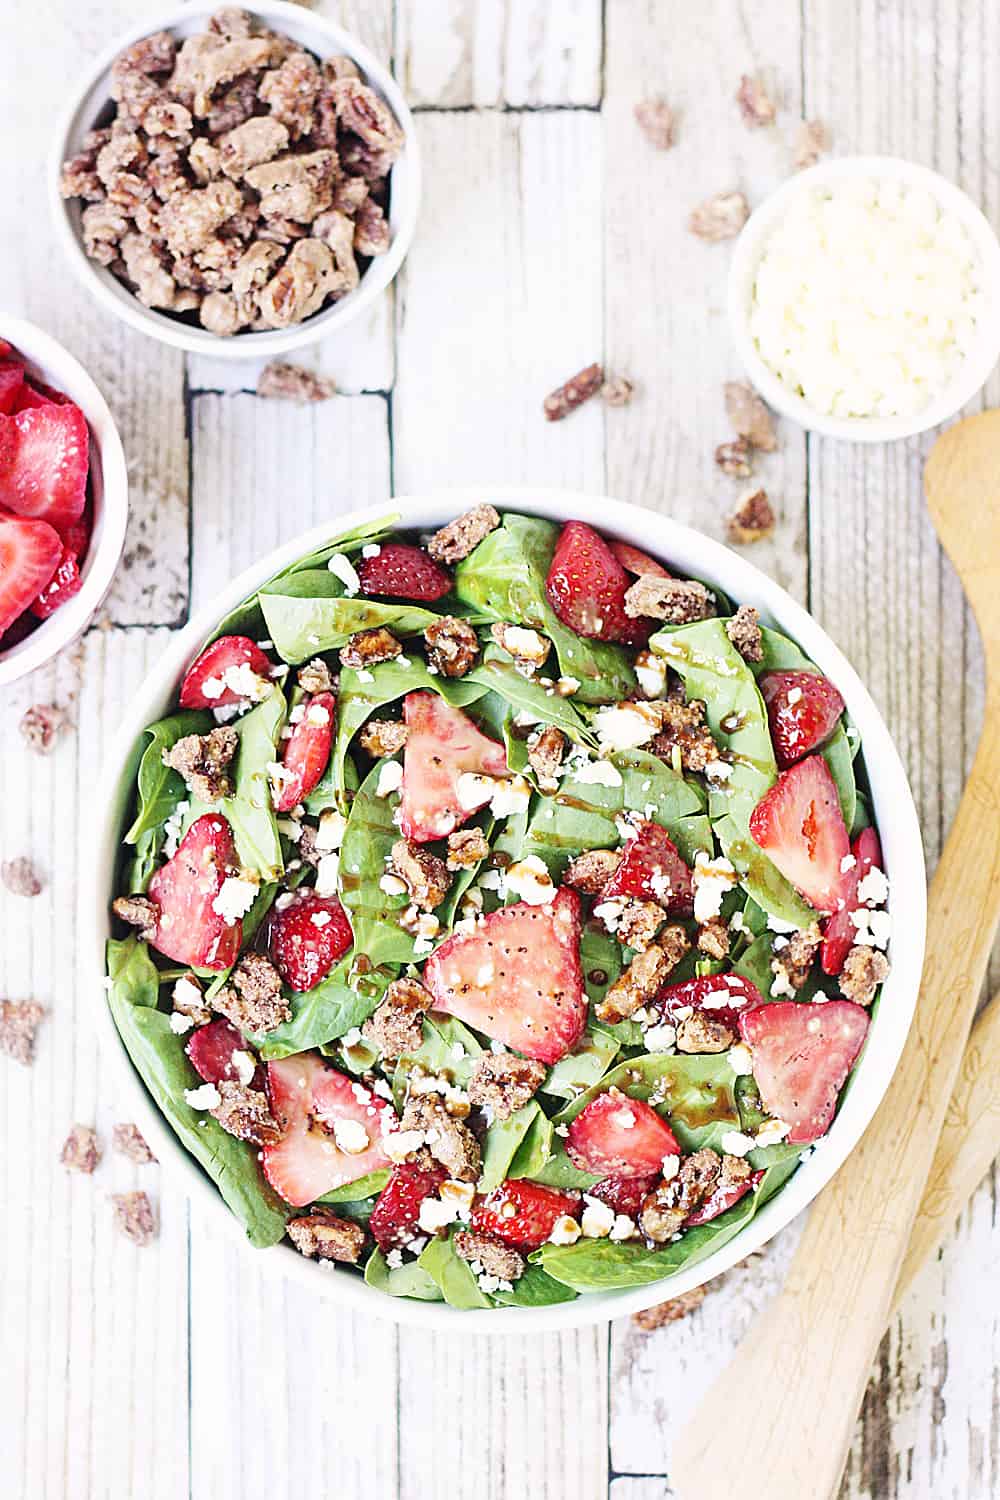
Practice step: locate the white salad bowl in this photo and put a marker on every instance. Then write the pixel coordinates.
(88, 108)
(974, 369)
(50, 363)
(894, 814)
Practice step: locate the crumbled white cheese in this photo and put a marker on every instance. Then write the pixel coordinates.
(245, 1066)
(718, 770)
(711, 878)
(434, 1215)
(871, 928)
(207, 1096)
(623, 1228)
(530, 880)
(651, 674)
(597, 773)
(526, 645)
(428, 927)
(330, 833)
(670, 1166)
(321, 919)
(180, 1024)
(317, 714)
(390, 778)
(567, 686)
(776, 924)
(510, 797)
(847, 863)
(351, 1136)
(399, 1144)
(342, 567)
(598, 1219)
(660, 1038)
(372, 549)
(474, 791)
(740, 1059)
(625, 726)
(782, 985)
(735, 1143)
(236, 896)
(394, 1260)
(327, 875)
(290, 828)
(363, 675)
(873, 890)
(771, 1132)
(391, 885)
(565, 1231)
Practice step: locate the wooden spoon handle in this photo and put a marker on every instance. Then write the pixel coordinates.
(782, 1415)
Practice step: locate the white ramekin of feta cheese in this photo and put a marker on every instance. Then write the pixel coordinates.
(864, 298)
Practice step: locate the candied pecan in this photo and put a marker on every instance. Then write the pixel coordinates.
(749, 416)
(396, 1027)
(315, 676)
(677, 600)
(152, 55)
(133, 1214)
(713, 938)
(253, 270)
(129, 1140)
(245, 1113)
(382, 737)
(371, 229)
(734, 458)
(349, 193)
(495, 1258)
(617, 392)
(752, 520)
(864, 970)
(467, 847)
(233, 107)
(644, 976)
(165, 175)
(744, 632)
(145, 269)
(202, 760)
(205, 160)
(251, 144)
(284, 382)
(811, 140)
(130, 193)
(290, 92)
(638, 923)
(191, 219)
(455, 541)
(139, 912)
(590, 872)
(339, 66)
(166, 118)
(425, 875)
(224, 314)
(41, 726)
(656, 120)
(367, 648)
(365, 115)
(204, 65)
(295, 187)
(19, 1021)
(218, 260)
(756, 104)
(231, 23)
(103, 225)
(302, 285)
(322, 1235)
(651, 1318)
(138, 97)
(79, 179)
(336, 231)
(452, 646)
(701, 1032)
(124, 149)
(252, 999)
(793, 959)
(81, 1150)
(504, 1082)
(546, 749)
(683, 728)
(668, 1205)
(448, 1140)
(20, 877)
(359, 159)
(578, 389)
(529, 648)
(720, 217)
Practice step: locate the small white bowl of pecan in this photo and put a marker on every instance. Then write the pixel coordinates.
(239, 183)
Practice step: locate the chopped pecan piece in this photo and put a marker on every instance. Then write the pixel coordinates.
(189, 220)
(590, 872)
(382, 737)
(133, 1215)
(656, 120)
(651, 1318)
(644, 976)
(811, 140)
(617, 391)
(496, 1258)
(425, 875)
(749, 416)
(504, 1082)
(222, 314)
(322, 1235)
(367, 648)
(283, 382)
(752, 520)
(187, 1000)
(290, 91)
(460, 537)
(371, 229)
(448, 1140)
(864, 970)
(256, 141)
(720, 217)
(452, 646)
(396, 1027)
(301, 286)
(680, 601)
(336, 230)
(546, 749)
(639, 923)
(41, 726)
(700, 1032)
(81, 1150)
(578, 389)
(713, 938)
(252, 999)
(756, 104)
(245, 1113)
(20, 877)
(529, 648)
(466, 848)
(734, 458)
(683, 728)
(365, 115)
(152, 54)
(744, 632)
(670, 1202)
(202, 760)
(315, 676)
(139, 912)
(205, 160)
(129, 1140)
(793, 958)
(19, 1021)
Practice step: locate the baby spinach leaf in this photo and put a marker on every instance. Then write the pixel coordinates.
(452, 1275)
(783, 655)
(496, 673)
(409, 1280)
(368, 840)
(307, 613)
(349, 542)
(326, 1012)
(448, 1047)
(158, 1056)
(695, 1092)
(501, 1144)
(755, 963)
(559, 1171)
(535, 1149)
(583, 1067)
(535, 1288)
(158, 788)
(353, 1192)
(249, 811)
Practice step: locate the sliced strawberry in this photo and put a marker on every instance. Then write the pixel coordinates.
(722, 997)
(800, 826)
(29, 555)
(802, 1055)
(840, 934)
(189, 929)
(76, 536)
(722, 1198)
(205, 684)
(211, 1049)
(442, 744)
(306, 752)
(639, 563)
(651, 869)
(18, 631)
(306, 938)
(619, 1137)
(586, 588)
(11, 386)
(44, 455)
(399, 571)
(33, 394)
(310, 1099)
(535, 1211)
(802, 709)
(625, 1194)
(517, 977)
(64, 583)
(394, 1219)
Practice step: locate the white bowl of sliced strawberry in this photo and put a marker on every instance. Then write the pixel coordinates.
(63, 498)
(495, 902)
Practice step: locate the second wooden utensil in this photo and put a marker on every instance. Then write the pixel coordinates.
(792, 1393)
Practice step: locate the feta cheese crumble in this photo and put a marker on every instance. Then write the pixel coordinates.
(711, 879)
(235, 898)
(342, 567)
(390, 779)
(625, 726)
(206, 1096)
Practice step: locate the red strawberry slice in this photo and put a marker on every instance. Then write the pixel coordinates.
(800, 826)
(33, 394)
(586, 588)
(802, 709)
(840, 934)
(442, 743)
(64, 583)
(204, 684)
(44, 455)
(211, 1049)
(29, 555)
(306, 938)
(522, 1213)
(394, 1219)
(802, 1055)
(639, 563)
(189, 930)
(306, 752)
(310, 1099)
(625, 1194)
(517, 977)
(11, 386)
(399, 571)
(651, 869)
(76, 536)
(620, 1137)
(721, 997)
(722, 1198)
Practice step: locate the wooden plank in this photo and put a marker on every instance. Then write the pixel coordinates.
(455, 53)
(94, 1329)
(645, 1488)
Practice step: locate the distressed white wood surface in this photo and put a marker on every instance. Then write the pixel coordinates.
(551, 235)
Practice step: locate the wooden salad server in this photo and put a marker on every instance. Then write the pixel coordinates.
(780, 1418)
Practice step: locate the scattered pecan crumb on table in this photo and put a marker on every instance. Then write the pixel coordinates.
(283, 382)
(81, 1150)
(752, 520)
(618, 391)
(733, 458)
(573, 393)
(657, 121)
(749, 416)
(720, 217)
(20, 877)
(19, 1022)
(756, 105)
(811, 140)
(651, 1318)
(42, 725)
(133, 1215)
(128, 1140)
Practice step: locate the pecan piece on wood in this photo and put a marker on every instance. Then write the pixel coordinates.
(573, 393)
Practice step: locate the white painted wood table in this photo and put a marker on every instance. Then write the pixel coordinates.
(551, 235)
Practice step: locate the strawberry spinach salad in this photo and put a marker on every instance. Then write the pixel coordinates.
(500, 915)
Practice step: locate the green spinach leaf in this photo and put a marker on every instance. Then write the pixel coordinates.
(452, 1275)
(368, 840)
(307, 613)
(409, 1280)
(326, 1012)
